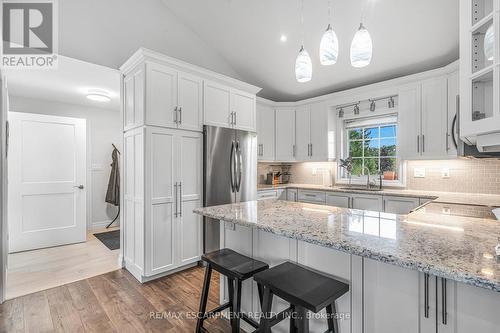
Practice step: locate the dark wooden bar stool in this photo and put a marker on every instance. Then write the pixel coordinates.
(237, 268)
(305, 290)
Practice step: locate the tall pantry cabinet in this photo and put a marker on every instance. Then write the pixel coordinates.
(163, 142)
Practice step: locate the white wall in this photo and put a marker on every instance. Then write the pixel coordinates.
(103, 128)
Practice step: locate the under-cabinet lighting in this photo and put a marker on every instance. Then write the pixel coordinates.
(437, 226)
(317, 210)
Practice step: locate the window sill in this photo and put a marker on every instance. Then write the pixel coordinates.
(387, 183)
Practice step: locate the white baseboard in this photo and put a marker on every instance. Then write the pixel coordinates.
(103, 224)
(137, 273)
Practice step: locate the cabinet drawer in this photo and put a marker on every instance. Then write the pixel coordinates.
(338, 200)
(269, 194)
(311, 196)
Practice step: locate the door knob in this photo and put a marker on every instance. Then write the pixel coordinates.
(79, 186)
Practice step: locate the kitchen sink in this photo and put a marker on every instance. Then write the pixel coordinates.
(358, 188)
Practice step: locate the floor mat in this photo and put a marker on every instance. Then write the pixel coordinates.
(111, 239)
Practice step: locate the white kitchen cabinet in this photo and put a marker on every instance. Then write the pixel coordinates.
(399, 205)
(157, 95)
(338, 200)
(228, 107)
(453, 104)
(163, 184)
(308, 196)
(367, 202)
(337, 265)
(391, 298)
(423, 120)
(217, 105)
(302, 133)
(267, 194)
(285, 135)
(265, 132)
(291, 194)
(477, 309)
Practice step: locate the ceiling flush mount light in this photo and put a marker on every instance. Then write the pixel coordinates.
(303, 63)
(489, 43)
(303, 66)
(361, 48)
(329, 46)
(98, 95)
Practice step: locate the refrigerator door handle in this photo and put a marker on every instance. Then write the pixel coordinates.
(232, 166)
(239, 166)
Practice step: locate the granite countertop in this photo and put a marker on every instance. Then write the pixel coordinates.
(452, 247)
(448, 197)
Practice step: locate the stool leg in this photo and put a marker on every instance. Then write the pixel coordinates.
(204, 298)
(302, 321)
(265, 319)
(260, 289)
(230, 289)
(237, 307)
(293, 328)
(332, 321)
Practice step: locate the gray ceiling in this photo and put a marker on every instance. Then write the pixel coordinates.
(240, 38)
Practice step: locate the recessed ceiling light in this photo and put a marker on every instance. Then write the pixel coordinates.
(283, 38)
(98, 95)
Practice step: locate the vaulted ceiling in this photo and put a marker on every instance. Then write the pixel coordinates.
(241, 38)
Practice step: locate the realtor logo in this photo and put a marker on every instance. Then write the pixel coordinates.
(29, 34)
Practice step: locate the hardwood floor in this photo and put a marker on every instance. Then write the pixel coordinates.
(36, 270)
(115, 302)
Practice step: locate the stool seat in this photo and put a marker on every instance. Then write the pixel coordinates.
(302, 286)
(234, 265)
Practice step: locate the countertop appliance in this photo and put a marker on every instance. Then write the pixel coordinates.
(230, 174)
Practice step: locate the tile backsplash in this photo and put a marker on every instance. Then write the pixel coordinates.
(458, 175)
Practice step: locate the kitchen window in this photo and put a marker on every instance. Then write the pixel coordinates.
(372, 145)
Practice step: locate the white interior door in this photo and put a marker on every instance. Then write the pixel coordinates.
(47, 181)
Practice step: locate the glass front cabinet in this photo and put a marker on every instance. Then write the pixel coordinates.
(479, 68)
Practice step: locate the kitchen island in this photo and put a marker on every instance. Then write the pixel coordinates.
(419, 272)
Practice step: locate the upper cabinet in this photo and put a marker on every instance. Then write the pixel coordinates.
(285, 135)
(424, 125)
(265, 132)
(165, 92)
(480, 73)
(228, 107)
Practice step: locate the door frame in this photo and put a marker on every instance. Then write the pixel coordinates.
(3, 186)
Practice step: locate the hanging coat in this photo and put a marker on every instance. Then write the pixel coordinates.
(113, 193)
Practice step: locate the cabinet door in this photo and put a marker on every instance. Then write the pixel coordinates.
(338, 200)
(391, 298)
(408, 136)
(190, 102)
(243, 105)
(265, 195)
(217, 105)
(302, 134)
(338, 265)
(477, 310)
(285, 135)
(160, 179)
(400, 205)
(265, 132)
(453, 93)
(367, 202)
(161, 96)
(189, 195)
(319, 132)
(291, 194)
(434, 118)
(133, 89)
(448, 307)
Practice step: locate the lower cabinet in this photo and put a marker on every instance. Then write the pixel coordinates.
(367, 202)
(291, 194)
(400, 205)
(477, 310)
(308, 196)
(272, 194)
(338, 200)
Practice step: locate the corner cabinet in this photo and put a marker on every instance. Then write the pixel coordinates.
(163, 184)
(228, 107)
(265, 132)
(480, 73)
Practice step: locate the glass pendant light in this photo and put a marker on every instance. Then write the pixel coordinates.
(329, 46)
(361, 48)
(489, 43)
(303, 63)
(303, 66)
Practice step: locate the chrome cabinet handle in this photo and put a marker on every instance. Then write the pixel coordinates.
(418, 143)
(423, 143)
(175, 199)
(426, 295)
(444, 300)
(293, 150)
(262, 150)
(81, 187)
(180, 114)
(175, 114)
(180, 199)
(234, 117)
(311, 149)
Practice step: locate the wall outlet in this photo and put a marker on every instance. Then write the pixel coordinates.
(419, 172)
(445, 173)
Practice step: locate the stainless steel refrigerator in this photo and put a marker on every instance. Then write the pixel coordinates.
(230, 174)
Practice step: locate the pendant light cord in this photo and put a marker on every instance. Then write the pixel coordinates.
(302, 20)
(329, 11)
